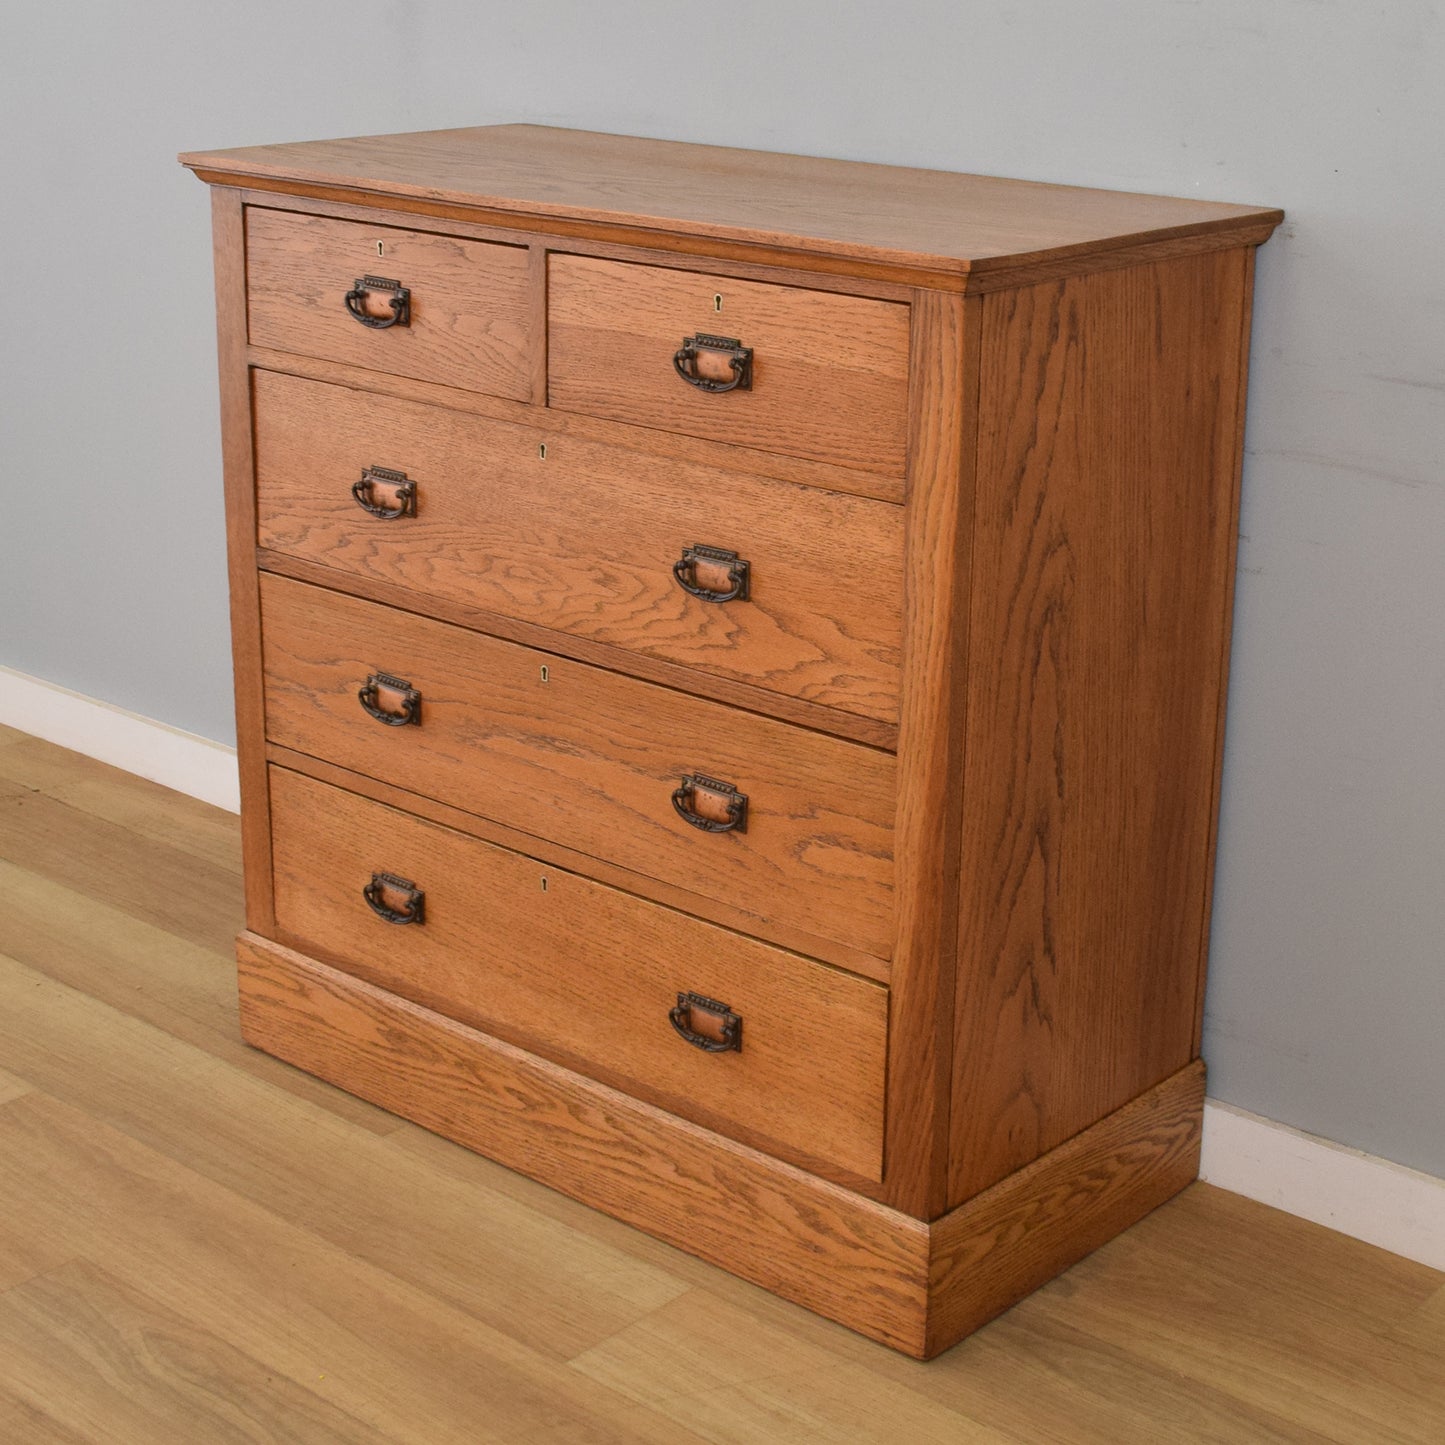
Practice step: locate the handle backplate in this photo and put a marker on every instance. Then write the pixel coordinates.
(691, 362)
(709, 805)
(398, 298)
(403, 701)
(384, 887)
(383, 479)
(698, 563)
(707, 1024)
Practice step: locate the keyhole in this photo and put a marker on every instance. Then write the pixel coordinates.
(544, 884)
(541, 451)
(717, 302)
(381, 248)
(546, 676)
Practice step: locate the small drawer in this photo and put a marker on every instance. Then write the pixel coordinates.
(706, 1023)
(808, 373)
(788, 824)
(409, 303)
(613, 545)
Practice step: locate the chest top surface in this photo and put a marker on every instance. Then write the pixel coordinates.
(938, 221)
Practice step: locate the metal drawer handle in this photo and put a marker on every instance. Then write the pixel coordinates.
(735, 804)
(369, 696)
(399, 301)
(684, 571)
(402, 489)
(412, 911)
(723, 1029)
(739, 357)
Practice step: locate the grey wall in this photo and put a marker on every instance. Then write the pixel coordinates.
(1327, 1003)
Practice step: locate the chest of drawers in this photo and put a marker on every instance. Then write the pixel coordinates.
(730, 656)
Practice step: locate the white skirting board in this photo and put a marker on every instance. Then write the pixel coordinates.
(1359, 1195)
(155, 750)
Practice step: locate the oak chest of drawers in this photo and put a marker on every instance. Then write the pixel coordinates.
(730, 657)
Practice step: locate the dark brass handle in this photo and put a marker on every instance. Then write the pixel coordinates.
(739, 359)
(734, 804)
(684, 571)
(721, 1030)
(413, 910)
(403, 489)
(369, 695)
(399, 301)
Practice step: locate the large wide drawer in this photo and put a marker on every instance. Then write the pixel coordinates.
(617, 768)
(461, 322)
(585, 974)
(595, 540)
(826, 375)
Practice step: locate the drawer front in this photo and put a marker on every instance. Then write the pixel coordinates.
(590, 539)
(464, 322)
(586, 974)
(591, 759)
(827, 377)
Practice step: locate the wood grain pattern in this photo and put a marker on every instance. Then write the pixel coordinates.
(508, 230)
(143, 1157)
(282, 1156)
(772, 1223)
(410, 1362)
(112, 1362)
(11, 1087)
(545, 850)
(87, 942)
(1230, 569)
(584, 539)
(1106, 483)
(665, 444)
(859, 213)
(631, 241)
(470, 307)
(988, 1253)
(503, 946)
(852, 726)
(229, 254)
(943, 419)
(978, 731)
(829, 378)
(916, 1286)
(591, 758)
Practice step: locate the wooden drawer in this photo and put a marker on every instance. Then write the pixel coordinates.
(591, 759)
(829, 373)
(586, 974)
(467, 300)
(585, 540)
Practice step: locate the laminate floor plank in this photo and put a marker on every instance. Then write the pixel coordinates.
(485, 1254)
(200, 1244)
(148, 879)
(406, 1364)
(116, 1366)
(1314, 1348)
(118, 797)
(22, 1421)
(750, 1383)
(184, 989)
(11, 1087)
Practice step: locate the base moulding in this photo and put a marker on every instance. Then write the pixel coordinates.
(919, 1287)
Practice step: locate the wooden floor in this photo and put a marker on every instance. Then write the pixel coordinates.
(199, 1244)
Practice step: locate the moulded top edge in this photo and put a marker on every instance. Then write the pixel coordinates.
(853, 210)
